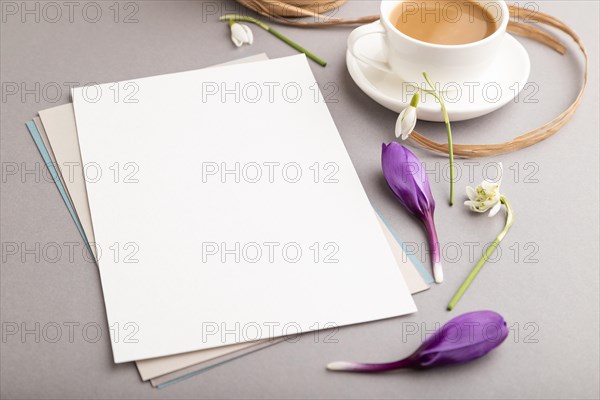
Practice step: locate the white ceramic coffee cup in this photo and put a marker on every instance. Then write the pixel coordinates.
(408, 57)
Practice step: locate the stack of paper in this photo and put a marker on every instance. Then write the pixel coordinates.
(235, 211)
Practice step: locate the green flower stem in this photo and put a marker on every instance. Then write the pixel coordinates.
(449, 129)
(463, 288)
(234, 17)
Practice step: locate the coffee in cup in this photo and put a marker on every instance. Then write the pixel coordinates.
(448, 22)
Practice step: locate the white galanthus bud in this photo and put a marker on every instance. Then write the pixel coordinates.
(407, 120)
(241, 34)
(485, 196)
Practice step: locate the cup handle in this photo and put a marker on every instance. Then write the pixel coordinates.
(360, 32)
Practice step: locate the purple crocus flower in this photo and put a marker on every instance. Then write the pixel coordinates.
(462, 339)
(408, 180)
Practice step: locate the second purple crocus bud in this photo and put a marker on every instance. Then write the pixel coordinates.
(462, 339)
(407, 179)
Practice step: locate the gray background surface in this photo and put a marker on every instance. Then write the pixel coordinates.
(545, 282)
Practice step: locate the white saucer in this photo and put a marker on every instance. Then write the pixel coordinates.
(497, 86)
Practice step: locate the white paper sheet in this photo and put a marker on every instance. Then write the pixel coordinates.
(269, 118)
(62, 134)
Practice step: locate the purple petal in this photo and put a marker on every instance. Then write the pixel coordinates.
(421, 178)
(462, 339)
(406, 178)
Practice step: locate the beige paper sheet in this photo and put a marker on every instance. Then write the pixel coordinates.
(201, 367)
